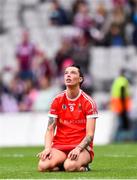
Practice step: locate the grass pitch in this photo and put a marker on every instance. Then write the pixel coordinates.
(115, 161)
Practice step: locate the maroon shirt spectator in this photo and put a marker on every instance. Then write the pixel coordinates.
(25, 54)
(63, 53)
(42, 67)
(82, 18)
(119, 2)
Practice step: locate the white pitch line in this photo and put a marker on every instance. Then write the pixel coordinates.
(12, 155)
(120, 155)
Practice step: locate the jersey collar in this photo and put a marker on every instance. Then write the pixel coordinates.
(74, 98)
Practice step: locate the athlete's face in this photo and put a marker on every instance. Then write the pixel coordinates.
(72, 76)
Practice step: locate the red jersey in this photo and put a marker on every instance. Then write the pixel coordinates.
(71, 117)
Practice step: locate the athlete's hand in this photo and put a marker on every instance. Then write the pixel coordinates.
(74, 154)
(46, 153)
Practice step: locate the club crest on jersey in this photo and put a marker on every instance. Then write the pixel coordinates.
(61, 121)
(64, 106)
(79, 106)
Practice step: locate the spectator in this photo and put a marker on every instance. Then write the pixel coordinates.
(133, 115)
(101, 25)
(58, 15)
(81, 53)
(9, 101)
(120, 3)
(42, 67)
(2, 90)
(82, 18)
(135, 37)
(118, 16)
(81, 56)
(28, 96)
(44, 95)
(75, 6)
(116, 32)
(121, 105)
(25, 54)
(115, 36)
(63, 53)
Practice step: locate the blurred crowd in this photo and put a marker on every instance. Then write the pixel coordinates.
(36, 77)
(115, 26)
(30, 87)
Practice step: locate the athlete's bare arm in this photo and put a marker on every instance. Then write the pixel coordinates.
(46, 153)
(90, 129)
(85, 142)
(50, 132)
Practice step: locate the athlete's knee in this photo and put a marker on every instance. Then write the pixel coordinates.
(43, 166)
(46, 165)
(70, 165)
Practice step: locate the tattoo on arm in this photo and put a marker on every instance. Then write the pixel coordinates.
(51, 123)
(85, 142)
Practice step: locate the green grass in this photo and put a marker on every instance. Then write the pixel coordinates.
(111, 161)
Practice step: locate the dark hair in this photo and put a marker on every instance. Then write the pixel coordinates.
(80, 72)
